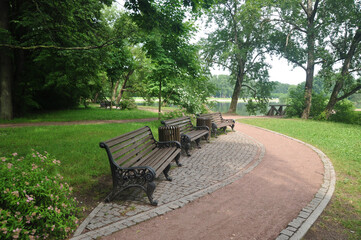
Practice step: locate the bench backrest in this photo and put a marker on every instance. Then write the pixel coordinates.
(184, 123)
(127, 149)
(216, 117)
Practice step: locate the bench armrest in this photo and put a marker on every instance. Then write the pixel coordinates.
(202, 128)
(169, 144)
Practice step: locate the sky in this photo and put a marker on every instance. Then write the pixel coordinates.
(280, 71)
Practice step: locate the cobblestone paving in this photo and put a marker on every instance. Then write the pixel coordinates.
(216, 164)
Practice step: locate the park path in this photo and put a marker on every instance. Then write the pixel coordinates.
(276, 196)
(275, 199)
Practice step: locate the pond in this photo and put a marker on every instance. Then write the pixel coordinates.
(216, 107)
(224, 107)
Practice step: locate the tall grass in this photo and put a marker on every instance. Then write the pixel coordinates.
(342, 144)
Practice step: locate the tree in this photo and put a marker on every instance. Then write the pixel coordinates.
(344, 46)
(6, 109)
(41, 68)
(239, 44)
(303, 29)
(177, 70)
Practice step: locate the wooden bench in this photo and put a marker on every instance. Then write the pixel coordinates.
(218, 122)
(277, 110)
(188, 132)
(105, 104)
(136, 159)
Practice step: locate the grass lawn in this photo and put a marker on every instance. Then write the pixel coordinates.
(342, 144)
(76, 146)
(83, 114)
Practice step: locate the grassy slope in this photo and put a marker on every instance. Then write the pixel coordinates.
(342, 144)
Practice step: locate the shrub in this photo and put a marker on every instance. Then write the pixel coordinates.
(296, 103)
(345, 112)
(127, 103)
(174, 114)
(34, 200)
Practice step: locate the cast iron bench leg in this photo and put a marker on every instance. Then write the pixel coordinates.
(149, 191)
(198, 143)
(165, 172)
(177, 160)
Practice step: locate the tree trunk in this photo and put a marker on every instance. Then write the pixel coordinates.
(237, 89)
(6, 74)
(310, 60)
(235, 96)
(345, 71)
(120, 95)
(115, 90)
(333, 100)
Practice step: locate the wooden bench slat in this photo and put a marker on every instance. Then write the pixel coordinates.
(164, 164)
(124, 137)
(138, 140)
(157, 159)
(130, 159)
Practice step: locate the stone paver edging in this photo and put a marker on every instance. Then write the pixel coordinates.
(299, 226)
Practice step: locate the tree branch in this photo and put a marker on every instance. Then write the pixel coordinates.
(107, 43)
(355, 70)
(358, 87)
(297, 63)
(315, 8)
(304, 8)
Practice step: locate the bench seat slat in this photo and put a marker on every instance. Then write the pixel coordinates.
(164, 164)
(130, 159)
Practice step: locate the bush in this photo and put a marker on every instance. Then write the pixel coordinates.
(345, 112)
(174, 114)
(127, 103)
(34, 200)
(296, 103)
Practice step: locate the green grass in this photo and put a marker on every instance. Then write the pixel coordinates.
(83, 114)
(76, 146)
(342, 144)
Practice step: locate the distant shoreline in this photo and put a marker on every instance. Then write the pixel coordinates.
(140, 100)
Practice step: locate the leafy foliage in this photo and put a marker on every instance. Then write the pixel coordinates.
(239, 44)
(296, 102)
(127, 103)
(35, 201)
(345, 112)
(48, 78)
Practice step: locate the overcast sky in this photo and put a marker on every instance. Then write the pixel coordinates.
(280, 71)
